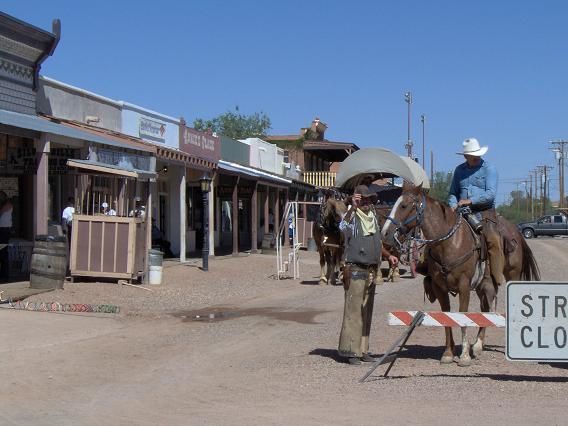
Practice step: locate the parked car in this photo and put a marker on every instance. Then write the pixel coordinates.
(546, 225)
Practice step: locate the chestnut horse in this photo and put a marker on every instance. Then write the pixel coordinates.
(454, 259)
(329, 239)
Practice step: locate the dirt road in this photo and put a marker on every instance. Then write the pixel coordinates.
(267, 357)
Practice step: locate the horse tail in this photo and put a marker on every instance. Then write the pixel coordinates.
(529, 269)
(429, 289)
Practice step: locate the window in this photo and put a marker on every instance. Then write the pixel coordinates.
(557, 219)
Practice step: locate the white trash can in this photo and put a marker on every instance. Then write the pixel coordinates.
(155, 259)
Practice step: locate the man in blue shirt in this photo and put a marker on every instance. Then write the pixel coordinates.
(475, 185)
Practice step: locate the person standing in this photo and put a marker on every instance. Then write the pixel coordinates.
(6, 210)
(67, 225)
(474, 185)
(363, 251)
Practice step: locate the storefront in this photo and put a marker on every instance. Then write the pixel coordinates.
(255, 204)
(23, 49)
(204, 151)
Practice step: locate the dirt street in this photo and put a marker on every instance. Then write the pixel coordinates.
(266, 357)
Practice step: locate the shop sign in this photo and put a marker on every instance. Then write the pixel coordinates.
(58, 160)
(10, 186)
(152, 129)
(245, 191)
(21, 160)
(200, 144)
(224, 191)
(124, 160)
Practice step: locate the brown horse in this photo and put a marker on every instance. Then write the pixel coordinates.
(329, 239)
(454, 259)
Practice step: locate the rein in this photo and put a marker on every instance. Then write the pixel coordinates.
(420, 207)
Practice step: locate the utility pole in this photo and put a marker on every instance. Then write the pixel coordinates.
(560, 151)
(431, 166)
(544, 186)
(423, 120)
(527, 197)
(531, 195)
(518, 198)
(408, 146)
(536, 187)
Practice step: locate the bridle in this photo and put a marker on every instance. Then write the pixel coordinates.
(402, 228)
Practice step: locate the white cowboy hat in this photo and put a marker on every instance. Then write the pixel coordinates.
(471, 147)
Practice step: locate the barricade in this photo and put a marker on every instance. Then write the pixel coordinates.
(413, 319)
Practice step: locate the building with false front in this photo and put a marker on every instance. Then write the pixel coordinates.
(317, 157)
(49, 151)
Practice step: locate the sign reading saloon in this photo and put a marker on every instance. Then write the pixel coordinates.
(537, 321)
(151, 129)
(199, 144)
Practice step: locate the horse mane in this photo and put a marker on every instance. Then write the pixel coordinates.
(445, 209)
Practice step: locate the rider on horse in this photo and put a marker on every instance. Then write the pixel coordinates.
(474, 185)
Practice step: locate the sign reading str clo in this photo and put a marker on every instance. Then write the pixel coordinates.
(537, 321)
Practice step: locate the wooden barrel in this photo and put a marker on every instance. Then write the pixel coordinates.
(49, 262)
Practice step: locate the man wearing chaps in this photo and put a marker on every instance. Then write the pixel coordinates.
(363, 249)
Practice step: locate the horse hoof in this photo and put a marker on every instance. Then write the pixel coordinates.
(477, 350)
(464, 362)
(447, 359)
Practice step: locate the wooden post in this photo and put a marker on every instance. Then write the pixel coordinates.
(277, 213)
(148, 230)
(254, 219)
(211, 196)
(236, 219)
(182, 215)
(266, 209)
(41, 186)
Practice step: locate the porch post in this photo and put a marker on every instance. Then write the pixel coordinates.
(236, 219)
(182, 214)
(266, 209)
(41, 186)
(212, 216)
(277, 214)
(254, 219)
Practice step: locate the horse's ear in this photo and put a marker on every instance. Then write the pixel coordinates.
(419, 187)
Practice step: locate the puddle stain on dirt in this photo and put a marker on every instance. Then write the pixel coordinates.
(215, 314)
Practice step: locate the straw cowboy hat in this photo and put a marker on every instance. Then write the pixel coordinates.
(471, 147)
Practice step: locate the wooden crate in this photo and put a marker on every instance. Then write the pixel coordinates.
(108, 247)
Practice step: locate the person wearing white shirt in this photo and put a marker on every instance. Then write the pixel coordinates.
(67, 224)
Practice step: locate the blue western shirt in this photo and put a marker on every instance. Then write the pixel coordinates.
(479, 184)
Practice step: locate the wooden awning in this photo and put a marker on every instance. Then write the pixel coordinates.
(94, 166)
(190, 161)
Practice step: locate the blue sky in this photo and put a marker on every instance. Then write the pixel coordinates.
(496, 71)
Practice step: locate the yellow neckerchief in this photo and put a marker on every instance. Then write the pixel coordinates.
(368, 223)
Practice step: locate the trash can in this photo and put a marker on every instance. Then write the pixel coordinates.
(312, 246)
(155, 260)
(49, 262)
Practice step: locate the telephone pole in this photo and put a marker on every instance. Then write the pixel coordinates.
(560, 151)
(531, 194)
(544, 186)
(408, 146)
(423, 120)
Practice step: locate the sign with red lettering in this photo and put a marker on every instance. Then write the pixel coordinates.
(200, 144)
(537, 321)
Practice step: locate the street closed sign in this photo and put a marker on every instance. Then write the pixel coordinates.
(537, 321)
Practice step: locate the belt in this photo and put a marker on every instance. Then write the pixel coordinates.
(361, 267)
